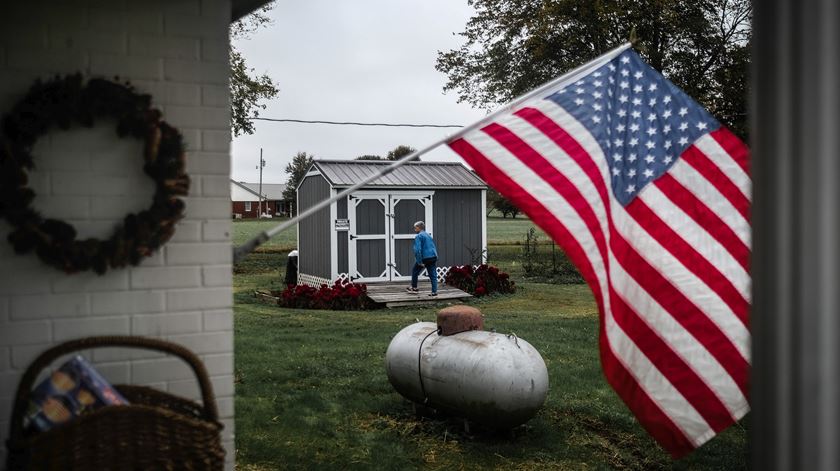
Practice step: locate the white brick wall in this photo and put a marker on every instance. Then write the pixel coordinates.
(177, 51)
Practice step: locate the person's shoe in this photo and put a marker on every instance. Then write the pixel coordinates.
(412, 290)
(432, 294)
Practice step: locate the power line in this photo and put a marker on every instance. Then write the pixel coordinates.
(353, 123)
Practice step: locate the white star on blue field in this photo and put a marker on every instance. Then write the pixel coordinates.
(642, 121)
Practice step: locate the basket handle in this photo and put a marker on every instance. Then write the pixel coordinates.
(50, 355)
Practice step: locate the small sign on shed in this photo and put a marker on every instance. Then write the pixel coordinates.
(342, 224)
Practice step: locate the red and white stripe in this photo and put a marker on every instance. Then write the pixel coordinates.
(670, 271)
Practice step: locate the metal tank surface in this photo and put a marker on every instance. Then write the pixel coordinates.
(492, 379)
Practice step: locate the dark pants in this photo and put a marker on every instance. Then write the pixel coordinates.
(429, 264)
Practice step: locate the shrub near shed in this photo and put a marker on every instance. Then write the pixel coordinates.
(481, 280)
(342, 296)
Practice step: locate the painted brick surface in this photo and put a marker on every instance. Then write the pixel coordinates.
(219, 364)
(116, 207)
(214, 50)
(65, 207)
(187, 388)
(49, 306)
(223, 385)
(166, 369)
(216, 275)
(188, 300)
(166, 324)
(215, 95)
(177, 51)
(206, 208)
(22, 333)
(119, 65)
(187, 231)
(191, 254)
(215, 185)
(68, 329)
(165, 277)
(8, 383)
(128, 302)
(23, 355)
(216, 141)
(156, 46)
(218, 320)
(92, 40)
(198, 116)
(209, 163)
(89, 282)
(133, 19)
(21, 275)
(21, 59)
(211, 342)
(216, 230)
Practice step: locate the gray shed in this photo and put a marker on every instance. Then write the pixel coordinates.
(368, 236)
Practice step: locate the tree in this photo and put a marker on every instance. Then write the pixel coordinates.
(400, 152)
(505, 206)
(297, 171)
(513, 46)
(247, 89)
(368, 157)
(496, 201)
(493, 197)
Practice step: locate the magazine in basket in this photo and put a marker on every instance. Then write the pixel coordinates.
(72, 390)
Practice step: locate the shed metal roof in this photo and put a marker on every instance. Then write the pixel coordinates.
(342, 173)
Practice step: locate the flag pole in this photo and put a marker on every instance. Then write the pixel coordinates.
(570, 77)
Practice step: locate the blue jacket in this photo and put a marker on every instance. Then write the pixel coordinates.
(424, 247)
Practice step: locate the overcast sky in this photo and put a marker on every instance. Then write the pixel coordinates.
(366, 60)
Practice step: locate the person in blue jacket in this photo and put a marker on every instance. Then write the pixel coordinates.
(425, 256)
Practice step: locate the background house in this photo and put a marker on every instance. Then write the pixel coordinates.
(368, 236)
(245, 199)
(177, 51)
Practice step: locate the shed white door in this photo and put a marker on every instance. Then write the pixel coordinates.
(369, 237)
(382, 233)
(406, 209)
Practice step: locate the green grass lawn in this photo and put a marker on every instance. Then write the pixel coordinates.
(312, 392)
(246, 229)
(501, 231)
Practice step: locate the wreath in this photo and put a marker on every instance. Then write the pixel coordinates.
(62, 102)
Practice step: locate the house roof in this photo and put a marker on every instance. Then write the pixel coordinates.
(243, 191)
(343, 173)
(271, 191)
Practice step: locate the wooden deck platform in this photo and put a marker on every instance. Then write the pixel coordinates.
(395, 295)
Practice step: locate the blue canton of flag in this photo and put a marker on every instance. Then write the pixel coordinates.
(642, 121)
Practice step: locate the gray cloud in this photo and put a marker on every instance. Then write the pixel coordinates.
(370, 60)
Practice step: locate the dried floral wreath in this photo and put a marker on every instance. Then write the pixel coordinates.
(62, 102)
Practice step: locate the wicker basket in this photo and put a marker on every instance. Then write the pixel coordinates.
(156, 431)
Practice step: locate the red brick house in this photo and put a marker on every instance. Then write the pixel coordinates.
(245, 200)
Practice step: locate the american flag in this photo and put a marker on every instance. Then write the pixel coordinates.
(650, 198)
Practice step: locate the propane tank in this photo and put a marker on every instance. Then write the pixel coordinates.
(493, 379)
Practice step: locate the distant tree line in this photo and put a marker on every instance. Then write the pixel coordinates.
(512, 46)
(396, 154)
(499, 203)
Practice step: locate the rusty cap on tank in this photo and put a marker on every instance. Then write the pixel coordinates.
(455, 319)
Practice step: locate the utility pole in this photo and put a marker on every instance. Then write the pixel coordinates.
(262, 164)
